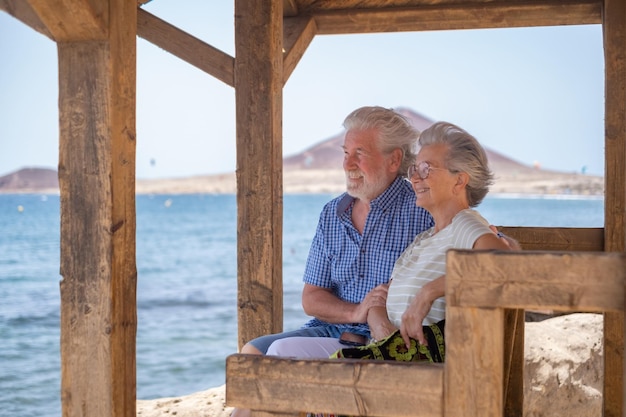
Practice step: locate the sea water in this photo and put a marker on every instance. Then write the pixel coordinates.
(186, 290)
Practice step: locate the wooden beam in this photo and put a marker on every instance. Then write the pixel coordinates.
(464, 15)
(557, 238)
(350, 387)
(614, 28)
(565, 281)
(97, 193)
(186, 47)
(258, 93)
(298, 33)
(73, 20)
(474, 369)
(290, 8)
(22, 11)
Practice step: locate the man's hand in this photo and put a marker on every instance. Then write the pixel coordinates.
(326, 306)
(509, 241)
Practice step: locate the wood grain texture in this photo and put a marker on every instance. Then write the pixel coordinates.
(514, 362)
(96, 179)
(614, 31)
(258, 94)
(474, 369)
(462, 15)
(352, 387)
(563, 281)
(74, 20)
(557, 238)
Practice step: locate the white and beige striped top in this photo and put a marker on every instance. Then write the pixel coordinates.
(424, 260)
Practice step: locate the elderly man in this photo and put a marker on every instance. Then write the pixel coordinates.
(360, 234)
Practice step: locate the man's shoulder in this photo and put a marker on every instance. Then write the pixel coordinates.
(332, 207)
(341, 199)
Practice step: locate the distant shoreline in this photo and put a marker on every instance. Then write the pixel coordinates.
(175, 193)
(564, 196)
(540, 183)
(530, 184)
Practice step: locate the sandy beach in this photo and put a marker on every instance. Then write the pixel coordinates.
(528, 182)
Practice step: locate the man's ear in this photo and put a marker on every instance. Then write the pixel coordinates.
(396, 159)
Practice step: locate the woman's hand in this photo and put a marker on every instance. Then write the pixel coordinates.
(377, 297)
(414, 315)
(378, 321)
(413, 318)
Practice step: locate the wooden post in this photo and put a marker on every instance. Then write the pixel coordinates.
(513, 378)
(97, 71)
(258, 92)
(474, 370)
(614, 27)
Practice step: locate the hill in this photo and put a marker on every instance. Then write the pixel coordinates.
(30, 180)
(329, 155)
(318, 169)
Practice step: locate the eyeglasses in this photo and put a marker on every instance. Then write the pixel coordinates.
(422, 170)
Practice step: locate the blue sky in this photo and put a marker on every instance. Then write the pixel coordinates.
(532, 94)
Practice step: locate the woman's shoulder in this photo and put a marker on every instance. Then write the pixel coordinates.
(470, 215)
(470, 219)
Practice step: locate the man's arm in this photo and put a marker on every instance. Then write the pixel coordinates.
(323, 304)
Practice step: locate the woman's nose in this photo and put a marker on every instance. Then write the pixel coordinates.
(415, 179)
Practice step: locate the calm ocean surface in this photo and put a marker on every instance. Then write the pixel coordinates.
(186, 295)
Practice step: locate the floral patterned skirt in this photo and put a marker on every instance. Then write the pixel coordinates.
(393, 348)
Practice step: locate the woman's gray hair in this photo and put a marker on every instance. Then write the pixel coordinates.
(394, 132)
(465, 154)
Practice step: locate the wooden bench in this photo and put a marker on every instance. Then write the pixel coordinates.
(487, 293)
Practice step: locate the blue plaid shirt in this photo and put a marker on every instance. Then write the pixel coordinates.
(352, 264)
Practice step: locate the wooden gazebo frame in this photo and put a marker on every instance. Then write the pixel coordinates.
(96, 42)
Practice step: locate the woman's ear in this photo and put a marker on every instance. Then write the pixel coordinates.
(462, 179)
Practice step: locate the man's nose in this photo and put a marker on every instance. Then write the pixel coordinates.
(349, 161)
